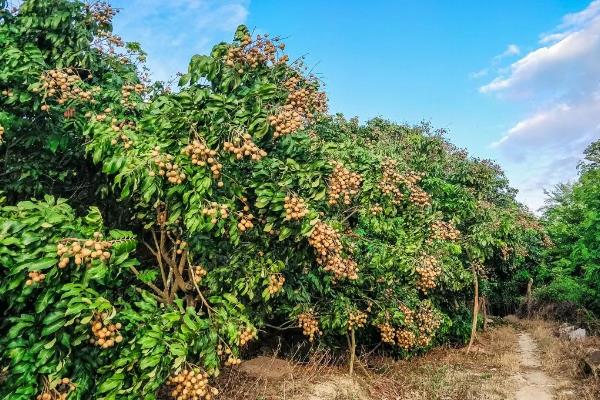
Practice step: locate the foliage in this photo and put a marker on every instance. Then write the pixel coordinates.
(571, 217)
(253, 210)
(44, 36)
(46, 324)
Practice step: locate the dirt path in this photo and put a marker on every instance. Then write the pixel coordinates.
(532, 382)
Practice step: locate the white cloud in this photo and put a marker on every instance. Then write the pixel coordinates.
(550, 38)
(173, 31)
(511, 50)
(560, 80)
(541, 177)
(570, 63)
(557, 128)
(581, 18)
(479, 74)
(225, 18)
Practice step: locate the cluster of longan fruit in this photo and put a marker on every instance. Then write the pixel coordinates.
(127, 142)
(231, 359)
(276, 282)
(325, 240)
(387, 332)
(127, 90)
(286, 121)
(35, 277)
(69, 113)
(328, 246)
(419, 197)
(198, 272)
(202, 155)
(341, 268)
(344, 183)
(244, 148)
(293, 82)
(441, 230)
(215, 211)
(83, 251)
(356, 319)
(480, 268)
(110, 39)
(424, 340)
(390, 180)
(180, 245)
(7, 92)
(101, 117)
(247, 335)
(60, 392)
(302, 102)
(411, 178)
(254, 53)
(105, 335)
(117, 126)
(309, 325)
(376, 209)
(427, 321)
(101, 11)
(1, 132)
(190, 384)
(245, 219)
(64, 85)
(428, 270)
(295, 208)
(304, 96)
(408, 314)
(166, 167)
(405, 338)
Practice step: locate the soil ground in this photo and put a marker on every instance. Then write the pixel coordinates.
(532, 382)
(515, 359)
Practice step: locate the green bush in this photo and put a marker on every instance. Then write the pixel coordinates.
(45, 328)
(563, 289)
(571, 218)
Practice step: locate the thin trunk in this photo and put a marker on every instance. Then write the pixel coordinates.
(475, 308)
(352, 350)
(529, 285)
(484, 312)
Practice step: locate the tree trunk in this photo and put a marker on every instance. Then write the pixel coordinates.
(475, 307)
(484, 312)
(352, 350)
(529, 285)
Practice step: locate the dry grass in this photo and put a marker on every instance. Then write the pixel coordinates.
(443, 373)
(451, 373)
(237, 384)
(561, 359)
(487, 373)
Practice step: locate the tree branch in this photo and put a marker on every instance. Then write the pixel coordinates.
(149, 284)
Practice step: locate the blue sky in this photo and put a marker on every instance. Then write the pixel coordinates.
(515, 81)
